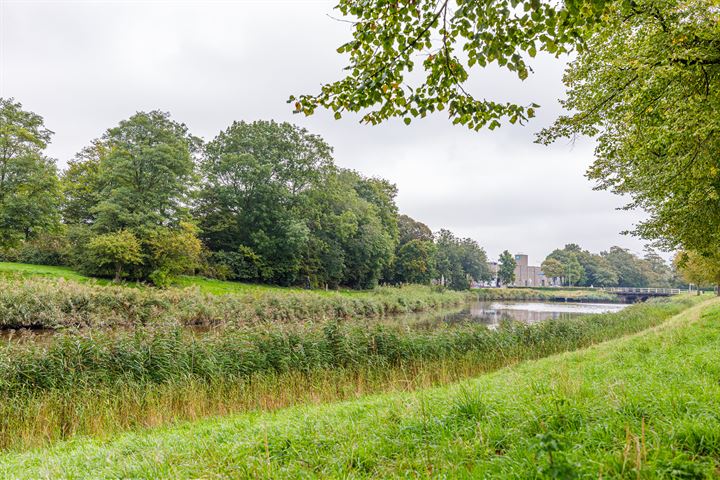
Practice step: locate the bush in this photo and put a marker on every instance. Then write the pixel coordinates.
(243, 265)
(46, 249)
(118, 250)
(172, 252)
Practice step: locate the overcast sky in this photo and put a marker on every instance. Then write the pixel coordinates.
(86, 65)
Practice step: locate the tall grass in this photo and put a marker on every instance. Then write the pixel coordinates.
(99, 383)
(644, 407)
(58, 303)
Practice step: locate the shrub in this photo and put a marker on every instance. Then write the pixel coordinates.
(171, 252)
(243, 265)
(119, 250)
(46, 249)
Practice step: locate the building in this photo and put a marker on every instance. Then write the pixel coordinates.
(529, 276)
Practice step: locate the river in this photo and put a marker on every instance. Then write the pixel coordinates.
(491, 313)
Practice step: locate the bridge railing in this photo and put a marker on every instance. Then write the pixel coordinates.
(648, 291)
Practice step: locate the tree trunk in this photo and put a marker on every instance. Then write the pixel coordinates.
(118, 272)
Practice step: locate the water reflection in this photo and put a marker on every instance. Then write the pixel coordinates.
(488, 313)
(492, 313)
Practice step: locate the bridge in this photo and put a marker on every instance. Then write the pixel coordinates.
(636, 294)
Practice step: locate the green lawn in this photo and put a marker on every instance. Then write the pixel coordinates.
(25, 269)
(207, 285)
(644, 406)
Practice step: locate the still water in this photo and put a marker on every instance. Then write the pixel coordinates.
(493, 312)
(490, 313)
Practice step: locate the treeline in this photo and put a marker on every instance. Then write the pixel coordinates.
(261, 202)
(615, 267)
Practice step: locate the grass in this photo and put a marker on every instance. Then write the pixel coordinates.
(29, 270)
(644, 406)
(100, 384)
(205, 285)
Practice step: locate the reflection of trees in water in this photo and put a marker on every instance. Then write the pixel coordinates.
(489, 314)
(494, 316)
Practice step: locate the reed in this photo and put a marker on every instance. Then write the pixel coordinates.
(58, 303)
(643, 406)
(101, 383)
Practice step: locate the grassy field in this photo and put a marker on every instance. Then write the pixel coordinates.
(103, 383)
(28, 270)
(644, 406)
(205, 285)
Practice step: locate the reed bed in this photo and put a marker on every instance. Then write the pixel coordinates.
(100, 383)
(59, 303)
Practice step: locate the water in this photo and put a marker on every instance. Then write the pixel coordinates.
(493, 312)
(489, 313)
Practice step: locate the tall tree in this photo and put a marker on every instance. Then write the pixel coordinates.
(255, 176)
(411, 229)
(631, 272)
(29, 186)
(415, 262)
(552, 268)
(648, 88)
(699, 269)
(573, 271)
(459, 261)
(146, 174)
(506, 268)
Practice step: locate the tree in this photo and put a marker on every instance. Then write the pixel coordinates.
(131, 189)
(552, 268)
(29, 186)
(648, 89)
(256, 177)
(506, 268)
(631, 272)
(146, 174)
(573, 271)
(410, 229)
(81, 186)
(658, 271)
(474, 260)
(699, 269)
(171, 252)
(416, 262)
(120, 250)
(459, 261)
(389, 37)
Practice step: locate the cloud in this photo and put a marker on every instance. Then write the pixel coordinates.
(85, 66)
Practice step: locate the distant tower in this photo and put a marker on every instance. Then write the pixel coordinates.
(521, 259)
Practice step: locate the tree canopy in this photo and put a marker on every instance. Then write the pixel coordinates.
(29, 187)
(506, 268)
(648, 88)
(615, 267)
(448, 40)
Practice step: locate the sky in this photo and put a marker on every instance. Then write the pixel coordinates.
(86, 65)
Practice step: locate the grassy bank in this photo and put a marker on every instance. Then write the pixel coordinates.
(576, 295)
(99, 384)
(639, 407)
(53, 303)
(10, 270)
